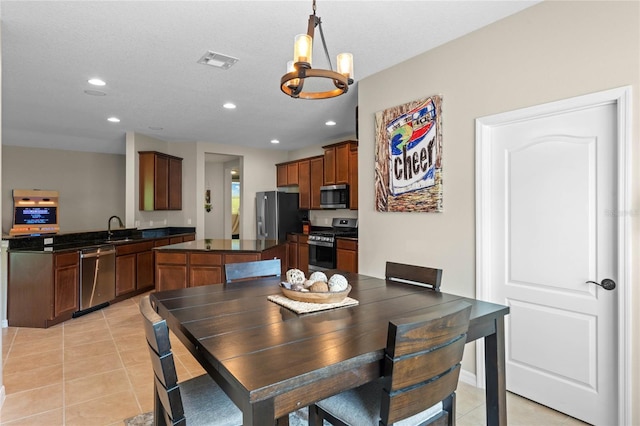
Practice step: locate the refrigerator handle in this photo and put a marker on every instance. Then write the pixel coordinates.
(261, 218)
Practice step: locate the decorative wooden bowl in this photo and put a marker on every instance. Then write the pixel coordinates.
(319, 297)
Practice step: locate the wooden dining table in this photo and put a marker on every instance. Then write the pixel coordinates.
(272, 361)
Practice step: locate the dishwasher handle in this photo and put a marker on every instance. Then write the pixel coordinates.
(98, 253)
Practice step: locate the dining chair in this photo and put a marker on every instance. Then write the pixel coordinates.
(256, 269)
(198, 401)
(418, 275)
(420, 375)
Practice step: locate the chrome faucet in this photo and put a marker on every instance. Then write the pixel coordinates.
(109, 232)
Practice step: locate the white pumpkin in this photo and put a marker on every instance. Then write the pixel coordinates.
(318, 276)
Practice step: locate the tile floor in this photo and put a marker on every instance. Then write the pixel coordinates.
(95, 370)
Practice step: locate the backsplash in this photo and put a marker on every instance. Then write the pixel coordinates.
(323, 217)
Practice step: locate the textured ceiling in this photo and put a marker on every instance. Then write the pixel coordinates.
(146, 51)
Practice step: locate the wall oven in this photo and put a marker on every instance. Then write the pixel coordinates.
(322, 244)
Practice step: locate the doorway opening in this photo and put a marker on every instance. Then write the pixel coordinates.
(223, 192)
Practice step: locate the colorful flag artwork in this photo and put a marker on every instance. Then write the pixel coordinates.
(408, 175)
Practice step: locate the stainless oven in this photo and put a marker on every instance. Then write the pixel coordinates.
(322, 254)
(322, 244)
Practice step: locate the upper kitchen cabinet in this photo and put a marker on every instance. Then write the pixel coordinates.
(336, 162)
(316, 177)
(304, 184)
(287, 174)
(160, 181)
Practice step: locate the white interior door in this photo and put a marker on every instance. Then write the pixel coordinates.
(553, 184)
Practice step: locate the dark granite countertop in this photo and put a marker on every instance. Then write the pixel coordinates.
(253, 246)
(81, 240)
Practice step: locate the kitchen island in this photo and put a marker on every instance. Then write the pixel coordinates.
(201, 262)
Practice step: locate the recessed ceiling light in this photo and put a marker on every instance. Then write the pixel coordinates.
(330, 123)
(275, 141)
(95, 93)
(229, 105)
(97, 82)
(113, 119)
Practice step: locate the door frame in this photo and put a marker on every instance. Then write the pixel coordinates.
(621, 97)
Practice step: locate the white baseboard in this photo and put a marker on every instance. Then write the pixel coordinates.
(468, 378)
(5, 323)
(3, 395)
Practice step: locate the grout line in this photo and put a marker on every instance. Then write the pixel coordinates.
(126, 371)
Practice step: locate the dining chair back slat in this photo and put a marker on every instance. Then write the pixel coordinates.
(422, 361)
(198, 399)
(419, 275)
(421, 369)
(256, 269)
(167, 390)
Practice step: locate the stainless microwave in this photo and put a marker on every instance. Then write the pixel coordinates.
(334, 197)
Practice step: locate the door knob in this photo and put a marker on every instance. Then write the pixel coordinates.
(607, 284)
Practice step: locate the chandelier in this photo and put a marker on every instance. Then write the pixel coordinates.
(321, 83)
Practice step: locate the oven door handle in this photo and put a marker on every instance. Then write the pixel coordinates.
(320, 243)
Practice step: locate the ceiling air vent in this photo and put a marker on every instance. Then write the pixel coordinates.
(217, 60)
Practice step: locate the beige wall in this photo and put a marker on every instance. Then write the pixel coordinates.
(552, 51)
(90, 184)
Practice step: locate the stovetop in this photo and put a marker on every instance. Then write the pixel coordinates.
(340, 228)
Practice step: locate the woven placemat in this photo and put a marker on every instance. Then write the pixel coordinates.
(306, 307)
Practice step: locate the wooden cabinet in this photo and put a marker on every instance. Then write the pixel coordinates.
(175, 183)
(292, 251)
(125, 274)
(144, 270)
(316, 172)
(304, 184)
(134, 267)
(336, 162)
(160, 181)
(181, 269)
(42, 288)
(205, 268)
(287, 174)
(298, 252)
(341, 167)
(353, 177)
(171, 270)
(303, 253)
(66, 281)
(347, 255)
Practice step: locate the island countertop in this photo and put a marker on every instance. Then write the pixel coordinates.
(222, 245)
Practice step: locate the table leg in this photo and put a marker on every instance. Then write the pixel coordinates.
(495, 382)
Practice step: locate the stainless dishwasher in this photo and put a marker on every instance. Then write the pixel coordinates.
(97, 278)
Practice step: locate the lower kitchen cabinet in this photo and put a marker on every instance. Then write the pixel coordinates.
(66, 281)
(181, 268)
(144, 270)
(125, 274)
(134, 261)
(298, 252)
(43, 288)
(205, 268)
(347, 255)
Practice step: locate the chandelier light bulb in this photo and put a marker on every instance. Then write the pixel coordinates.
(302, 48)
(345, 65)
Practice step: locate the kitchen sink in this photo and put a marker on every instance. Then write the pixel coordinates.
(119, 240)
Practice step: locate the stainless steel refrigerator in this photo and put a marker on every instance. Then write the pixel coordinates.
(277, 214)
